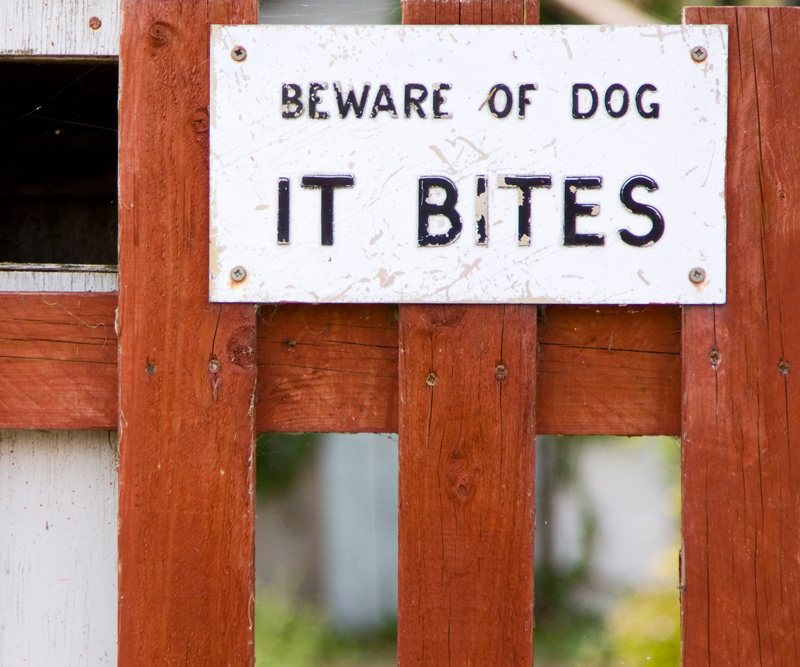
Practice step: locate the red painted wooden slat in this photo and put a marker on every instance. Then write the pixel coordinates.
(467, 452)
(741, 527)
(601, 370)
(187, 367)
(58, 361)
(467, 442)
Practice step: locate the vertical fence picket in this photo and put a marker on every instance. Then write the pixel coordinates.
(740, 594)
(187, 367)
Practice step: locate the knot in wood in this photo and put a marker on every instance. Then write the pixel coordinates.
(462, 477)
(160, 34)
(199, 120)
(241, 347)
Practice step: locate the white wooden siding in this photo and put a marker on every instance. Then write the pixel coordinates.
(57, 278)
(59, 28)
(58, 550)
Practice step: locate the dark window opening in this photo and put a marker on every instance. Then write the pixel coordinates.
(58, 172)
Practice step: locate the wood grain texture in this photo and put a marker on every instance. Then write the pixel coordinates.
(59, 28)
(58, 361)
(600, 371)
(327, 369)
(466, 485)
(58, 564)
(741, 527)
(609, 370)
(467, 454)
(187, 367)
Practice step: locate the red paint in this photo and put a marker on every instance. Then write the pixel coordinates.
(741, 528)
(467, 450)
(186, 432)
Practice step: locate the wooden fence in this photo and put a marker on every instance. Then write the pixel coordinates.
(190, 383)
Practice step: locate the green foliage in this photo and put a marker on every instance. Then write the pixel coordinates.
(288, 634)
(644, 628)
(279, 459)
(291, 633)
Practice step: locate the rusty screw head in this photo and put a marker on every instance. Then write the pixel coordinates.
(238, 274)
(214, 365)
(699, 54)
(238, 53)
(697, 275)
(501, 372)
(431, 379)
(95, 23)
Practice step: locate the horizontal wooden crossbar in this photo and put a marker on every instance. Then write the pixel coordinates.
(602, 370)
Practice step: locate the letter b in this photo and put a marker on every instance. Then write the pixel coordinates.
(291, 104)
(447, 209)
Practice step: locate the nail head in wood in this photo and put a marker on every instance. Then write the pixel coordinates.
(501, 372)
(431, 379)
(95, 23)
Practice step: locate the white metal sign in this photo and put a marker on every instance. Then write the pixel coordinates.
(580, 164)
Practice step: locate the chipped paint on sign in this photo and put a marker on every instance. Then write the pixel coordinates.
(465, 164)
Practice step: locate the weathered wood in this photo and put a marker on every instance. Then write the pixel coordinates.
(327, 369)
(605, 370)
(467, 451)
(741, 556)
(58, 564)
(467, 383)
(58, 361)
(55, 278)
(187, 367)
(601, 370)
(59, 28)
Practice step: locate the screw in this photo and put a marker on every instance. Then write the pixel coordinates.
(699, 54)
(501, 372)
(95, 23)
(238, 274)
(714, 357)
(238, 53)
(214, 365)
(431, 379)
(784, 367)
(697, 275)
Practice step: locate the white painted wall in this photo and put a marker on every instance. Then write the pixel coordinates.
(59, 27)
(21, 278)
(58, 548)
